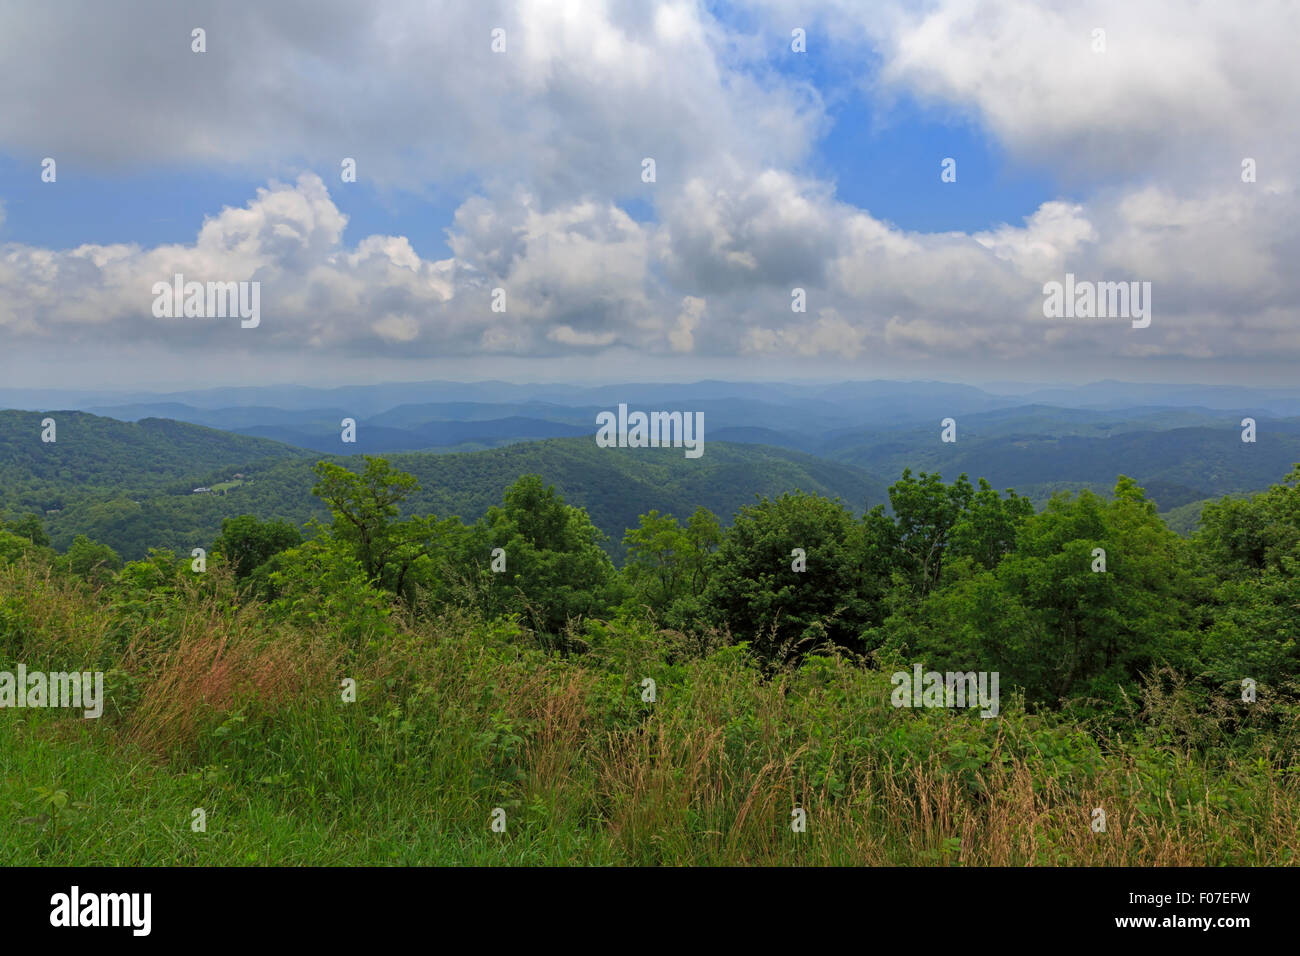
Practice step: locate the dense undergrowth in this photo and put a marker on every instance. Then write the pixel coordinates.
(236, 708)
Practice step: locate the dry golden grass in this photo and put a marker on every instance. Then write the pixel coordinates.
(214, 661)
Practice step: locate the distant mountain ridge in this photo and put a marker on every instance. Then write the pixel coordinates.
(367, 400)
(132, 482)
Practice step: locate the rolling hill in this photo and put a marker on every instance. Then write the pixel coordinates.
(132, 485)
(97, 455)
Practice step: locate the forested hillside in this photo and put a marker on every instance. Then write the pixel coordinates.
(1180, 452)
(93, 455)
(1177, 465)
(131, 486)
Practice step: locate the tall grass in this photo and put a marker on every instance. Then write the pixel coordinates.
(216, 704)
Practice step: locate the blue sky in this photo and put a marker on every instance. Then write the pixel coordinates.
(779, 175)
(107, 207)
(886, 161)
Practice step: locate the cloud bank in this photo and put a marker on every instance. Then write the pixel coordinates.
(551, 134)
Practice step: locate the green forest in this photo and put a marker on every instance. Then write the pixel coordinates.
(132, 486)
(389, 683)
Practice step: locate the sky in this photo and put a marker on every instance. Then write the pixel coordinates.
(503, 146)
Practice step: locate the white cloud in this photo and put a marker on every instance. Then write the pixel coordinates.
(1175, 80)
(682, 336)
(829, 335)
(567, 336)
(553, 132)
(411, 90)
(586, 276)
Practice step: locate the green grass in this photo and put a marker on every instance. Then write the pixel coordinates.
(138, 813)
(239, 712)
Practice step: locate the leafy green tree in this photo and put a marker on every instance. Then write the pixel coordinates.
(159, 572)
(90, 560)
(14, 546)
(1252, 534)
(1103, 629)
(757, 591)
(28, 526)
(1250, 550)
(248, 542)
(443, 572)
(668, 566)
(703, 535)
(365, 508)
(655, 559)
(321, 584)
(938, 532)
(555, 569)
(925, 514)
(1049, 619)
(985, 531)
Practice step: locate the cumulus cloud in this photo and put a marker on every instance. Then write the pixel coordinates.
(682, 336)
(829, 334)
(411, 90)
(1173, 83)
(1180, 91)
(586, 276)
(553, 131)
(566, 273)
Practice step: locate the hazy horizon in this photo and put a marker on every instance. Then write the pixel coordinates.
(996, 386)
